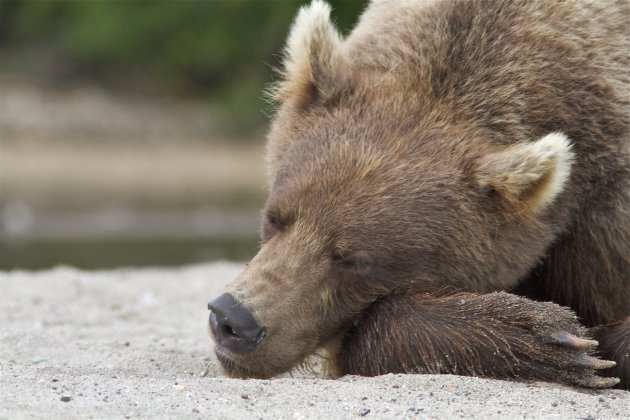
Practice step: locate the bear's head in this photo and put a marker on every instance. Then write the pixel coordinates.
(372, 188)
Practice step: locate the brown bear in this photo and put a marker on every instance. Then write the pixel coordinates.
(449, 193)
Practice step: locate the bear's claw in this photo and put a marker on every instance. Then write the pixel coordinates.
(595, 363)
(597, 382)
(584, 361)
(570, 340)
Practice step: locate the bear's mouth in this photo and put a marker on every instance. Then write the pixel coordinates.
(233, 368)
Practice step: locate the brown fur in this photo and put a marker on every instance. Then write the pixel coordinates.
(614, 342)
(474, 145)
(497, 334)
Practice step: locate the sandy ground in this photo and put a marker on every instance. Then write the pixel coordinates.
(133, 343)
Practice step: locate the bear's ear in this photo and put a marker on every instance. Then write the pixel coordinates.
(527, 177)
(313, 60)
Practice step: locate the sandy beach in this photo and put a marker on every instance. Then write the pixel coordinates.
(133, 343)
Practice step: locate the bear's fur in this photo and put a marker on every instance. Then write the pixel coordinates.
(443, 152)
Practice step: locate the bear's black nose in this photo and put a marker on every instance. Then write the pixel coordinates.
(233, 326)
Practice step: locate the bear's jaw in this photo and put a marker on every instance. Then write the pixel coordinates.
(322, 363)
(233, 368)
(262, 363)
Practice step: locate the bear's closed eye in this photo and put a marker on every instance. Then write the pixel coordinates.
(356, 261)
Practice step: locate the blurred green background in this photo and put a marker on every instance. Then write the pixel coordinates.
(132, 132)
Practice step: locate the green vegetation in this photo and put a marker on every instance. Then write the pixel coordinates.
(220, 50)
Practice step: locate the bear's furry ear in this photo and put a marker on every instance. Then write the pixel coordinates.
(313, 59)
(527, 177)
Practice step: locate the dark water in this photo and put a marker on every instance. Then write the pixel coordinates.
(109, 253)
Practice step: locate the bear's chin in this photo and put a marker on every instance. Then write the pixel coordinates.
(248, 366)
(235, 369)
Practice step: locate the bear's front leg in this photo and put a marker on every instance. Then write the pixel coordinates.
(496, 335)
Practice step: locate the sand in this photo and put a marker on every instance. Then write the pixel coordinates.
(133, 343)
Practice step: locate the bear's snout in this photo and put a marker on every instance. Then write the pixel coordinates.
(233, 326)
